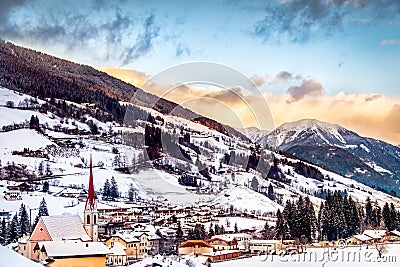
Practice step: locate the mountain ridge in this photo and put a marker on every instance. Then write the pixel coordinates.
(368, 160)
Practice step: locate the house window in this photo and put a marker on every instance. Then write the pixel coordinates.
(94, 219)
(88, 219)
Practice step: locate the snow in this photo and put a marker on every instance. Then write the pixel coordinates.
(20, 139)
(9, 257)
(242, 198)
(168, 261)
(347, 257)
(365, 148)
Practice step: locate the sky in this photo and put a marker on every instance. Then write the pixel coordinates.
(333, 60)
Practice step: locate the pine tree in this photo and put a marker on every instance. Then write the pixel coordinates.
(3, 232)
(179, 233)
(281, 228)
(13, 230)
(387, 218)
(106, 189)
(42, 211)
(114, 189)
(211, 232)
(46, 187)
(236, 228)
(368, 212)
(23, 221)
(132, 193)
(41, 168)
(271, 194)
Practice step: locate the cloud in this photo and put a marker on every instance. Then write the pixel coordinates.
(297, 21)
(258, 80)
(390, 42)
(309, 87)
(373, 97)
(6, 6)
(136, 78)
(144, 42)
(114, 34)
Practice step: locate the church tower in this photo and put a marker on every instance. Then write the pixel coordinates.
(91, 215)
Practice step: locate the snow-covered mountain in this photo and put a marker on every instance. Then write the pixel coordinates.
(253, 133)
(368, 160)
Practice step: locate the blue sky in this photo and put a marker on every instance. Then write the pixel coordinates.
(330, 51)
(351, 45)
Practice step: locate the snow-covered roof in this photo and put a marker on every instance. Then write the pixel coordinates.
(362, 237)
(395, 232)
(67, 227)
(264, 241)
(376, 234)
(126, 236)
(73, 248)
(117, 249)
(9, 257)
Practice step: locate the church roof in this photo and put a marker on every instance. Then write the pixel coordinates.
(67, 227)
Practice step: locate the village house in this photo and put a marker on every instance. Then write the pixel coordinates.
(265, 246)
(72, 253)
(12, 195)
(377, 235)
(223, 243)
(243, 239)
(117, 254)
(138, 244)
(359, 240)
(195, 247)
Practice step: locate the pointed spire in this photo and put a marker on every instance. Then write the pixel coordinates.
(91, 197)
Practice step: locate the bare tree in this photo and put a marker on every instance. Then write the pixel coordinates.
(382, 248)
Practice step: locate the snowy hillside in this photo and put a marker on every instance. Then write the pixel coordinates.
(63, 146)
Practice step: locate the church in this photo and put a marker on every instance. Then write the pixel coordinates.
(64, 240)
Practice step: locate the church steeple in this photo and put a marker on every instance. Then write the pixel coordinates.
(91, 201)
(90, 213)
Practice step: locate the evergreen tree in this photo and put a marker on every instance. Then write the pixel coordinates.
(394, 215)
(216, 230)
(211, 232)
(281, 228)
(268, 232)
(114, 189)
(368, 213)
(42, 211)
(13, 230)
(132, 193)
(23, 221)
(179, 233)
(41, 168)
(387, 218)
(106, 189)
(270, 192)
(46, 186)
(236, 228)
(3, 232)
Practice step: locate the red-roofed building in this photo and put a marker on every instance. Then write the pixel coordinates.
(197, 247)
